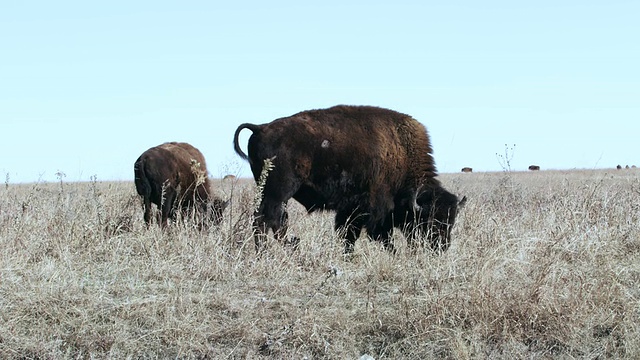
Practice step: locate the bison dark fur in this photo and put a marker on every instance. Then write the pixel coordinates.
(435, 220)
(367, 163)
(178, 172)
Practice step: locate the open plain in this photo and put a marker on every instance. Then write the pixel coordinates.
(542, 265)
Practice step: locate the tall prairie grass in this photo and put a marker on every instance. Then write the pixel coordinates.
(542, 265)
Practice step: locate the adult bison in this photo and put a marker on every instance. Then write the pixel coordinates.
(173, 176)
(534, 167)
(467, 169)
(373, 166)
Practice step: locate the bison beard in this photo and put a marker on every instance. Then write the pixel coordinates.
(174, 175)
(373, 166)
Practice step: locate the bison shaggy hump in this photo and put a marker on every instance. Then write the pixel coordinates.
(174, 175)
(369, 164)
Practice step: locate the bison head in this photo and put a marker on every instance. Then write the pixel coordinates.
(434, 220)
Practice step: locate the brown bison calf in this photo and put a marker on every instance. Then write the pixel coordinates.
(173, 176)
(373, 166)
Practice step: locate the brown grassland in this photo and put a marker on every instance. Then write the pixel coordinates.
(542, 265)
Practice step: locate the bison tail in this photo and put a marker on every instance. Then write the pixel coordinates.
(143, 187)
(236, 146)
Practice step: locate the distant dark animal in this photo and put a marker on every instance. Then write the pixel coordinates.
(534, 167)
(619, 167)
(467, 169)
(373, 166)
(173, 176)
(626, 167)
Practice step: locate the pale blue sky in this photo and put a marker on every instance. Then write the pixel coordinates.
(86, 87)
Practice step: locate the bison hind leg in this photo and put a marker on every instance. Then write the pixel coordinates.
(167, 208)
(147, 210)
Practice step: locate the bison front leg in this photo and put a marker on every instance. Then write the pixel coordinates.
(270, 215)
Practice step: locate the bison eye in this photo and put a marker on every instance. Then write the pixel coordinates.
(325, 144)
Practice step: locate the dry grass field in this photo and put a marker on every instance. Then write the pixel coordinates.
(542, 265)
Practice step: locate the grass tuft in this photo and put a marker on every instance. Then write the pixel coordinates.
(542, 265)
